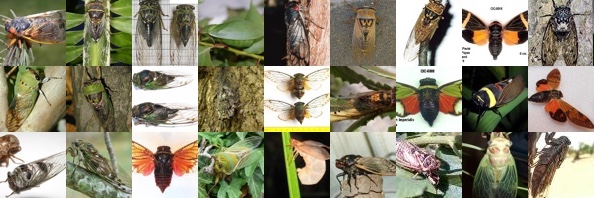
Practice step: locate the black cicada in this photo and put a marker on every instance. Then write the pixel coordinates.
(148, 33)
(33, 174)
(96, 16)
(560, 35)
(183, 36)
(549, 160)
(297, 41)
(353, 165)
(415, 159)
(154, 80)
(164, 114)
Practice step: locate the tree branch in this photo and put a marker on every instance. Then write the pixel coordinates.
(44, 117)
(92, 185)
(112, 157)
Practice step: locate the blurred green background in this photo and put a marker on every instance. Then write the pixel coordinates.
(46, 55)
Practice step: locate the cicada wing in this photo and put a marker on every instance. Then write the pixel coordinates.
(574, 115)
(309, 113)
(148, 44)
(143, 160)
(313, 171)
(185, 159)
(249, 159)
(312, 148)
(179, 78)
(555, 111)
(570, 45)
(450, 98)
(508, 181)
(411, 52)
(285, 80)
(278, 106)
(287, 115)
(318, 101)
(550, 45)
(244, 146)
(377, 165)
(185, 115)
(47, 28)
(511, 91)
(474, 31)
(318, 75)
(484, 179)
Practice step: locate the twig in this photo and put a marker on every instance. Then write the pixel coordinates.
(236, 51)
(112, 157)
(91, 184)
(11, 70)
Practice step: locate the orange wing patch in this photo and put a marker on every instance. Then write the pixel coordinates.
(575, 116)
(447, 103)
(480, 37)
(142, 159)
(185, 158)
(554, 78)
(411, 104)
(555, 111)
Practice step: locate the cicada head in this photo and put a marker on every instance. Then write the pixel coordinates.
(16, 25)
(562, 18)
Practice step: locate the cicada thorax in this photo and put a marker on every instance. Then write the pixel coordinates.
(499, 152)
(150, 18)
(9, 145)
(15, 28)
(299, 85)
(428, 21)
(151, 79)
(96, 14)
(26, 91)
(429, 99)
(415, 159)
(163, 167)
(300, 111)
(184, 19)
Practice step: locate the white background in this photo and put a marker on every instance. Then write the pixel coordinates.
(443, 122)
(447, 53)
(184, 186)
(480, 55)
(187, 94)
(271, 92)
(34, 146)
(576, 85)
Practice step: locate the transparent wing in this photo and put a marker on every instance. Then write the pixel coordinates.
(411, 52)
(318, 101)
(183, 36)
(43, 169)
(285, 80)
(278, 106)
(484, 179)
(148, 43)
(185, 115)
(318, 75)
(287, 115)
(377, 165)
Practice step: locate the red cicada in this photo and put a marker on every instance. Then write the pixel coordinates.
(163, 162)
(415, 159)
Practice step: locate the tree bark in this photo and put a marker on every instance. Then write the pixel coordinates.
(319, 13)
(119, 80)
(247, 83)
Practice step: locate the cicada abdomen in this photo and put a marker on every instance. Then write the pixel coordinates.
(415, 159)
(148, 33)
(33, 174)
(26, 90)
(183, 36)
(549, 160)
(496, 175)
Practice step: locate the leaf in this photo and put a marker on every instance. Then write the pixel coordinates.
(123, 24)
(257, 154)
(123, 55)
(256, 48)
(204, 56)
(121, 39)
(256, 185)
(361, 122)
(202, 193)
(122, 7)
(73, 37)
(73, 52)
(392, 129)
(73, 20)
(347, 74)
(490, 120)
(254, 16)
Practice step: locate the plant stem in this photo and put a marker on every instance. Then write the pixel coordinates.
(292, 179)
(236, 51)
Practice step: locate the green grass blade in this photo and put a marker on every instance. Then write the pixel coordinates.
(292, 179)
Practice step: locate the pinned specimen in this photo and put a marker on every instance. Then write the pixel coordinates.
(157, 114)
(496, 175)
(429, 99)
(298, 83)
(148, 42)
(183, 36)
(300, 110)
(155, 80)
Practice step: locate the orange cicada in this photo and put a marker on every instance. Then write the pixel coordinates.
(44, 28)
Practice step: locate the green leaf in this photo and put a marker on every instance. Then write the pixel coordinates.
(121, 39)
(347, 74)
(392, 129)
(123, 24)
(73, 37)
(73, 52)
(256, 48)
(238, 33)
(258, 155)
(73, 20)
(123, 55)
(256, 185)
(490, 120)
(254, 16)
(202, 193)
(204, 56)
(122, 7)
(361, 122)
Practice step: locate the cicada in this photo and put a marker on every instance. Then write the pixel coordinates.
(315, 156)
(86, 153)
(33, 174)
(155, 80)
(429, 99)
(44, 28)
(560, 36)
(164, 114)
(183, 36)
(237, 156)
(298, 83)
(26, 88)
(558, 109)
(95, 23)
(415, 159)
(496, 175)
(298, 48)
(363, 42)
(424, 29)
(363, 103)
(493, 96)
(549, 160)
(148, 33)
(475, 31)
(163, 162)
(300, 110)
(9, 145)
(353, 165)
(100, 100)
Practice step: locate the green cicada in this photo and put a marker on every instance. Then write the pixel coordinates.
(156, 114)
(496, 175)
(96, 94)
(153, 80)
(26, 89)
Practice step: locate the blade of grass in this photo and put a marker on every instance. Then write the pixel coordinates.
(290, 167)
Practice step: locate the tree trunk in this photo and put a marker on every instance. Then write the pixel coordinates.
(119, 80)
(319, 13)
(245, 112)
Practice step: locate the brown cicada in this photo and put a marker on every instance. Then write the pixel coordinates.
(299, 110)
(298, 83)
(549, 160)
(353, 165)
(415, 159)
(364, 103)
(33, 174)
(44, 28)
(424, 29)
(9, 145)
